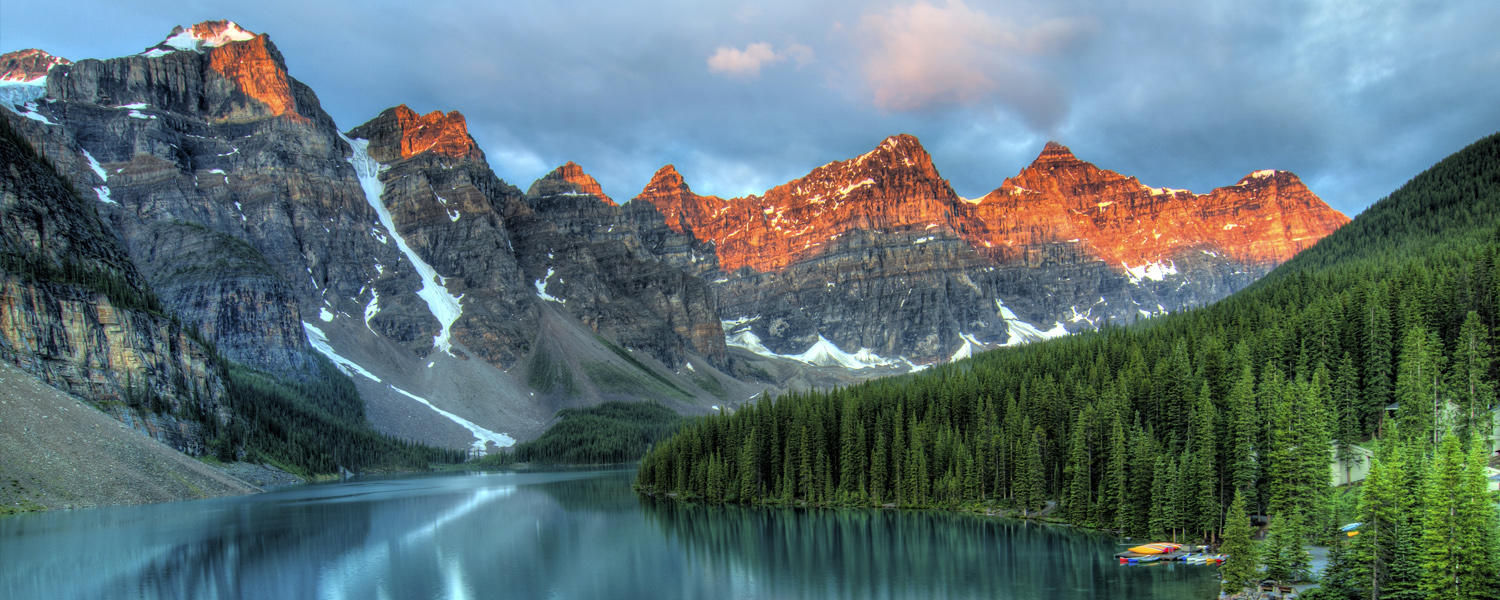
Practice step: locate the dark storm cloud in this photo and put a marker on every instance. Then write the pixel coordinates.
(1354, 97)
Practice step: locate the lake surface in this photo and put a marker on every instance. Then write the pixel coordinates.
(553, 535)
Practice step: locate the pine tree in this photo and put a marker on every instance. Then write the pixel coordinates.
(1028, 486)
(749, 480)
(1286, 558)
(1379, 348)
(1283, 464)
(1417, 377)
(1115, 495)
(1471, 366)
(1201, 508)
(1242, 566)
(1479, 571)
(1372, 551)
(1458, 527)
(1406, 564)
(1346, 410)
(1444, 535)
(1163, 515)
(879, 466)
(1313, 453)
(1243, 431)
(1078, 474)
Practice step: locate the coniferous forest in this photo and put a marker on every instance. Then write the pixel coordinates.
(1377, 340)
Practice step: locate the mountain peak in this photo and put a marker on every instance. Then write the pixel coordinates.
(28, 65)
(666, 180)
(903, 147)
(1055, 152)
(1267, 174)
(582, 182)
(399, 133)
(208, 34)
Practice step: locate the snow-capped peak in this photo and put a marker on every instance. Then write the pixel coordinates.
(208, 34)
(28, 66)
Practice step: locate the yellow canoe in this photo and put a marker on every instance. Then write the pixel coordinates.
(1156, 548)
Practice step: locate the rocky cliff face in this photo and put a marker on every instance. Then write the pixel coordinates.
(586, 253)
(394, 251)
(75, 312)
(446, 206)
(876, 261)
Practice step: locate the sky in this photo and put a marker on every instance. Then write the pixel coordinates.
(1355, 96)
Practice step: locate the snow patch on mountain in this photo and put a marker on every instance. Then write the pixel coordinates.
(827, 354)
(541, 288)
(319, 341)
(1155, 271)
(971, 345)
(199, 37)
(101, 191)
(21, 97)
(445, 307)
(823, 353)
(1022, 332)
(481, 435)
(372, 308)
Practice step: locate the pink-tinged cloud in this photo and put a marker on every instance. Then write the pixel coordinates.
(748, 62)
(742, 63)
(925, 56)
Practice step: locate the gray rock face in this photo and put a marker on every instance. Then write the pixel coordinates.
(238, 205)
(448, 206)
(589, 254)
(75, 312)
(225, 287)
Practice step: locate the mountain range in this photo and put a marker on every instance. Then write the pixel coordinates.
(467, 311)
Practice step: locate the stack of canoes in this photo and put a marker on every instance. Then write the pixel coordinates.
(1148, 553)
(1167, 551)
(1204, 559)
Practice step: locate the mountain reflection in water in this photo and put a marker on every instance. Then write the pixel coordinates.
(551, 535)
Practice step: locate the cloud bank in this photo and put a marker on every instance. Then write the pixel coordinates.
(1355, 98)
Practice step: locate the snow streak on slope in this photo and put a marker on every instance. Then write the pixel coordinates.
(103, 190)
(481, 435)
(319, 341)
(541, 287)
(445, 307)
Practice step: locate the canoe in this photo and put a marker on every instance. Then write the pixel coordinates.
(1156, 548)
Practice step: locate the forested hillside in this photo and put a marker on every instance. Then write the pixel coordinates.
(1153, 429)
(613, 432)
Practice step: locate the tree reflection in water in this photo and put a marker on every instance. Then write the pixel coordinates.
(864, 553)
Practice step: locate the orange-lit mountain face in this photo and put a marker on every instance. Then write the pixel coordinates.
(257, 69)
(28, 65)
(400, 133)
(247, 59)
(876, 261)
(1265, 218)
(583, 182)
